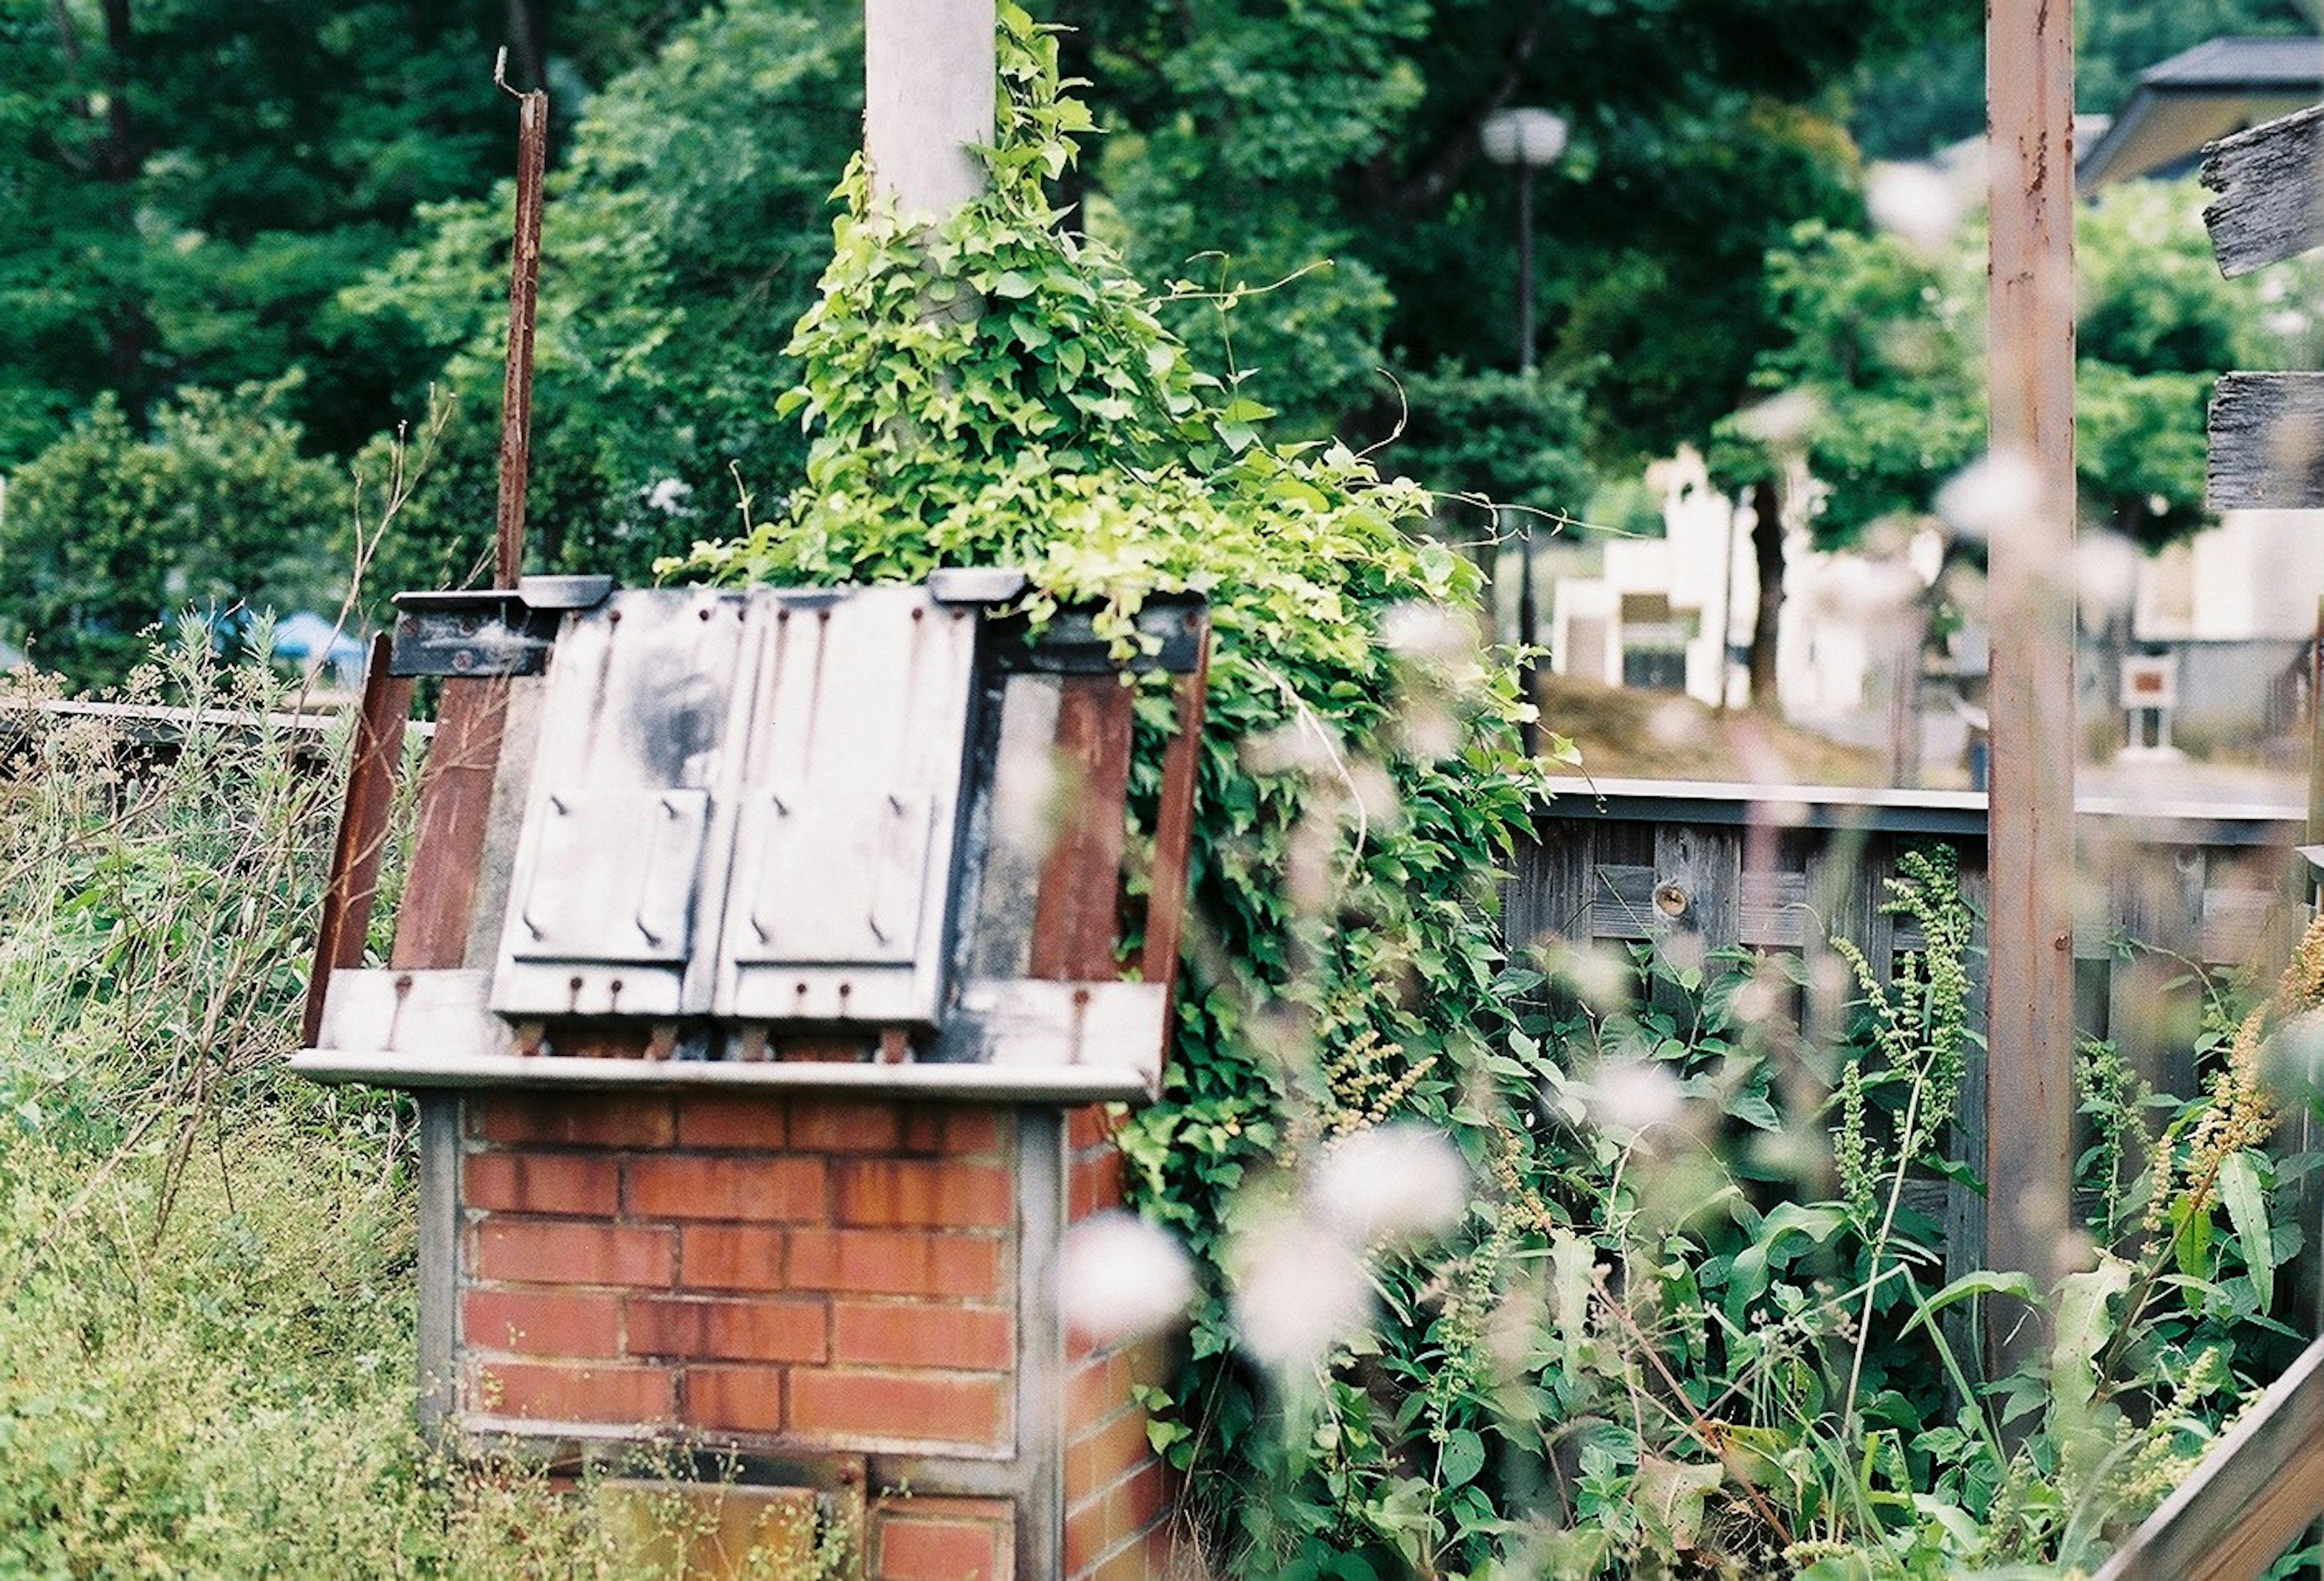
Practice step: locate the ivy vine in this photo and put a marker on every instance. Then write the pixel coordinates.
(996, 390)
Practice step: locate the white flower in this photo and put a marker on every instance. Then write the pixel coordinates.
(1390, 1183)
(1636, 1095)
(1915, 201)
(1123, 1277)
(1995, 495)
(1299, 1290)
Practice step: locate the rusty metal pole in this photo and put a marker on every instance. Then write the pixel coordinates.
(2029, 1090)
(524, 290)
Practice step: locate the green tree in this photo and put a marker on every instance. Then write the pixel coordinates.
(1886, 342)
(109, 532)
(1268, 137)
(1331, 148)
(185, 187)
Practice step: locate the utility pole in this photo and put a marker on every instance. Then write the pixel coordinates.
(2030, 830)
(929, 71)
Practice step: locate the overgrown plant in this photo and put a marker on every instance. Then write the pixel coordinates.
(1752, 1372)
(1633, 1351)
(995, 390)
(205, 1265)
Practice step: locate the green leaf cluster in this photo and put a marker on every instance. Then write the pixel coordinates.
(993, 389)
(108, 534)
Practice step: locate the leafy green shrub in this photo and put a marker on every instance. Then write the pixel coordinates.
(1751, 1365)
(106, 532)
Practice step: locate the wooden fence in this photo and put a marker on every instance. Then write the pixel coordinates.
(1786, 867)
(1705, 867)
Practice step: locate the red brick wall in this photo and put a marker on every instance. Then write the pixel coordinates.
(808, 1270)
(1118, 1494)
(920, 1539)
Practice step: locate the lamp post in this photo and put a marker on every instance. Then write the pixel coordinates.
(1528, 138)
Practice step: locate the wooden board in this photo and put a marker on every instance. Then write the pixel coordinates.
(2267, 443)
(1076, 915)
(2249, 1499)
(363, 831)
(1173, 826)
(455, 799)
(2271, 204)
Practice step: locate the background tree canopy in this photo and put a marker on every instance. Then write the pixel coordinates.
(198, 196)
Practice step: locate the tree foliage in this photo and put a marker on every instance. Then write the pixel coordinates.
(1885, 360)
(110, 533)
(681, 240)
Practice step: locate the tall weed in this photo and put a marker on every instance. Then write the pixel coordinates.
(206, 1348)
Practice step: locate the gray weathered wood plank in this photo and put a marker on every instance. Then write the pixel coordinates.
(2262, 1482)
(2267, 443)
(2270, 206)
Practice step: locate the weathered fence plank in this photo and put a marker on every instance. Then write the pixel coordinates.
(2267, 443)
(2262, 1482)
(2270, 206)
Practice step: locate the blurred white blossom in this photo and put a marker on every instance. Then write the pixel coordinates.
(1296, 1291)
(1993, 495)
(1917, 202)
(1428, 632)
(1595, 974)
(1634, 1095)
(1123, 1277)
(1304, 745)
(1780, 420)
(1392, 1182)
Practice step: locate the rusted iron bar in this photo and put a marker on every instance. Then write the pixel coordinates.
(524, 289)
(455, 799)
(363, 831)
(2030, 1095)
(1173, 828)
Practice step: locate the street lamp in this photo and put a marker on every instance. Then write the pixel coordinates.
(1528, 138)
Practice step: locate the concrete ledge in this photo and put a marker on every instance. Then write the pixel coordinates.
(1066, 1084)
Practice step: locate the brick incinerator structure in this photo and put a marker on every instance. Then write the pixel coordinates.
(765, 969)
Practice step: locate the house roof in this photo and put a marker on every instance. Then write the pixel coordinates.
(2218, 86)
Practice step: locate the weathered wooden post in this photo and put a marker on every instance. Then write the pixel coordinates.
(2029, 1091)
(768, 1023)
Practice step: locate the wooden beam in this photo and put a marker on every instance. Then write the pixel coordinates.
(2270, 203)
(2267, 443)
(2260, 1486)
(1079, 903)
(1173, 825)
(448, 845)
(2029, 1090)
(363, 831)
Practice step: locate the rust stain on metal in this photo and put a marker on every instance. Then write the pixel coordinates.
(1074, 916)
(456, 800)
(363, 831)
